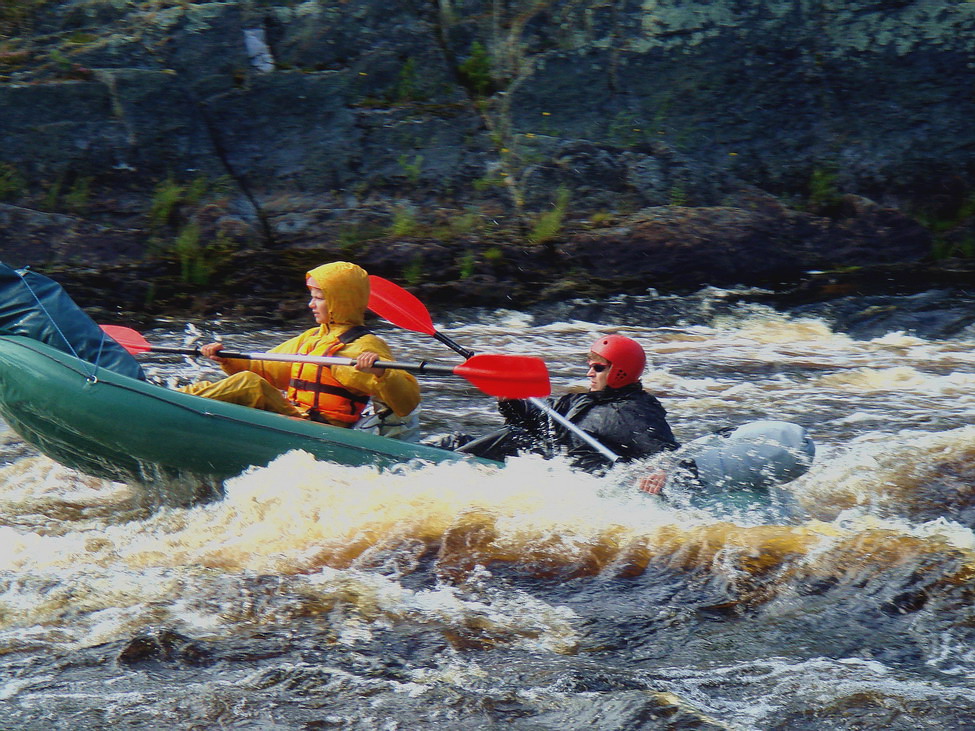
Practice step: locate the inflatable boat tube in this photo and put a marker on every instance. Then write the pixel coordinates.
(756, 455)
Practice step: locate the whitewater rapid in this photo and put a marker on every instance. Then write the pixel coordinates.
(532, 596)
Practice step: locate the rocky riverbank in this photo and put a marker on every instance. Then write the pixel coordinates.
(197, 156)
(799, 257)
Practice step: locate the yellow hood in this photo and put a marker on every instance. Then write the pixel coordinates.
(346, 289)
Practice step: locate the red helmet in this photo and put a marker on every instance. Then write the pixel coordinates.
(626, 357)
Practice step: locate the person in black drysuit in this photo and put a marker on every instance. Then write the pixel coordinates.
(616, 411)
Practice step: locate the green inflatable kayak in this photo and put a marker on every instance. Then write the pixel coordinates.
(119, 428)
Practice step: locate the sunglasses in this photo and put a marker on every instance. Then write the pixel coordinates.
(598, 367)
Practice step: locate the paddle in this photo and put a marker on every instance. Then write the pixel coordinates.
(504, 376)
(403, 309)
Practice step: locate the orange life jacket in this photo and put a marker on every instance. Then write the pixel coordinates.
(325, 398)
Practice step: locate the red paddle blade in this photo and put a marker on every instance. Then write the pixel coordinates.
(128, 338)
(507, 376)
(392, 302)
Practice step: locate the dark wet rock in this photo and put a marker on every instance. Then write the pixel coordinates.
(43, 238)
(764, 243)
(939, 313)
(163, 646)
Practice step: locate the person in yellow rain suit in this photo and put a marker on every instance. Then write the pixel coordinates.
(335, 395)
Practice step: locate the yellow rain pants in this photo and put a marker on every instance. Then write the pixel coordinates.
(247, 389)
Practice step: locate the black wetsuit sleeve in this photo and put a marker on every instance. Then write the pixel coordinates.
(521, 413)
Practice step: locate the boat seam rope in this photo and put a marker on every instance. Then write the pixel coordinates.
(92, 377)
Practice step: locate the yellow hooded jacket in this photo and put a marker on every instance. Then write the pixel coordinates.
(346, 290)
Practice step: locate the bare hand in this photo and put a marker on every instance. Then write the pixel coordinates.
(364, 363)
(652, 483)
(210, 351)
